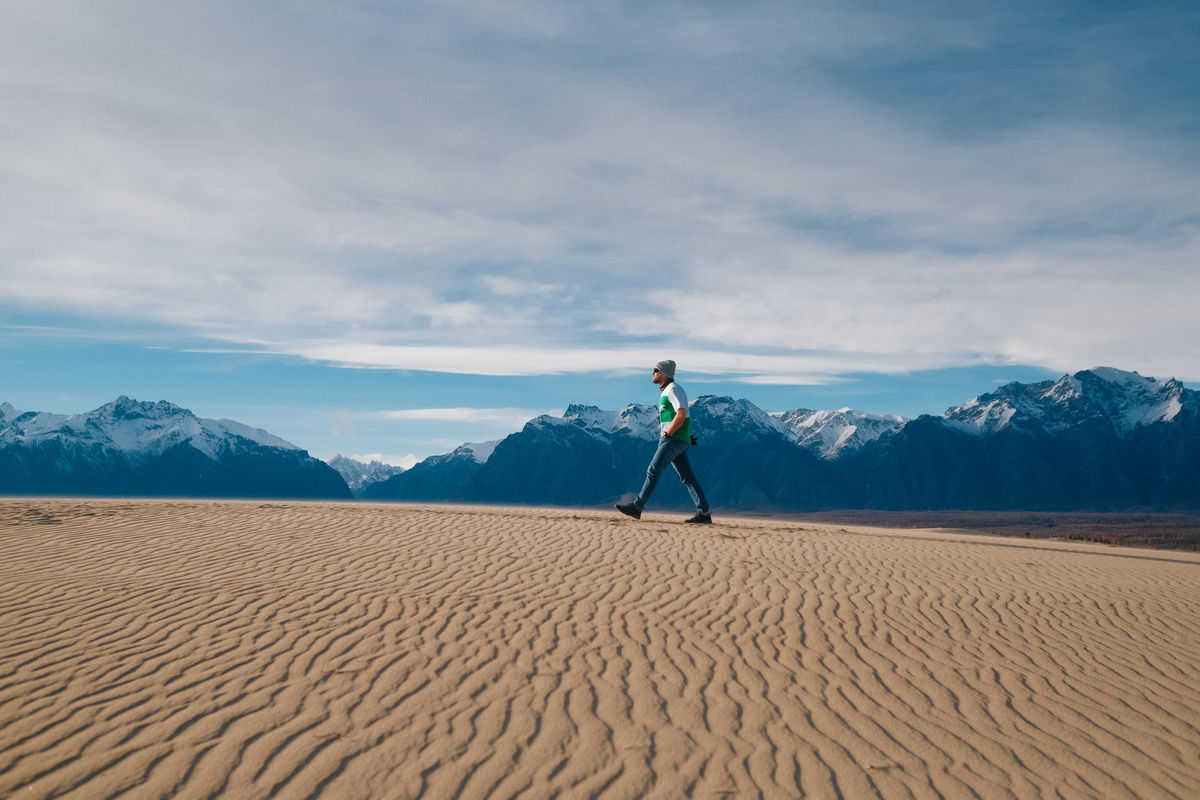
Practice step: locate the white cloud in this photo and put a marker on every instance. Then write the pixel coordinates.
(342, 424)
(564, 361)
(451, 188)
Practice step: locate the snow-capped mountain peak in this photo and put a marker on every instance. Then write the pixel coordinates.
(153, 449)
(135, 428)
(828, 433)
(727, 409)
(591, 418)
(638, 420)
(1131, 400)
(1124, 400)
(358, 473)
(479, 451)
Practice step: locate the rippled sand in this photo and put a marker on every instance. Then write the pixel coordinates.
(245, 649)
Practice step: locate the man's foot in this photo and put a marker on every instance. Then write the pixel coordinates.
(700, 519)
(630, 510)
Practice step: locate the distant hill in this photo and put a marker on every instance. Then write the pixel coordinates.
(131, 448)
(1100, 439)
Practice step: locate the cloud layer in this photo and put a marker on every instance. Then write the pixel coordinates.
(778, 193)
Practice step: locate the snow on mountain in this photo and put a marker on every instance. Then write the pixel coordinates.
(637, 420)
(480, 451)
(1131, 400)
(830, 432)
(1125, 400)
(736, 415)
(358, 474)
(640, 420)
(134, 428)
(222, 429)
(826, 432)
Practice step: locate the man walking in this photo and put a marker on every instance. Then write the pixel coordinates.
(675, 428)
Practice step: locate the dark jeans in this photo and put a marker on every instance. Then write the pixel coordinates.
(674, 452)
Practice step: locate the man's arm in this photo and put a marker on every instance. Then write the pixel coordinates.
(677, 423)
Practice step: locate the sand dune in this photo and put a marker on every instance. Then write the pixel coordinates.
(244, 649)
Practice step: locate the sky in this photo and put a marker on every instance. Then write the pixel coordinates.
(387, 228)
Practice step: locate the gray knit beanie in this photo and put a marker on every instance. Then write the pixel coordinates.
(667, 368)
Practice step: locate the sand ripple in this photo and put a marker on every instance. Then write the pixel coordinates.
(199, 649)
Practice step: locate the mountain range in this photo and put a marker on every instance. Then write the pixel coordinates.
(1100, 439)
(132, 448)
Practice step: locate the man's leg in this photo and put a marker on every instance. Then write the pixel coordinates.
(668, 450)
(684, 467)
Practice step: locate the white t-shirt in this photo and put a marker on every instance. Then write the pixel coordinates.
(677, 397)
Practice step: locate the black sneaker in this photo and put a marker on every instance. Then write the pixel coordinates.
(630, 510)
(700, 519)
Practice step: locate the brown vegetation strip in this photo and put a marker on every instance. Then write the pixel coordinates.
(1158, 530)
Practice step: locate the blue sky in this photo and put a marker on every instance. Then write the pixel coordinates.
(376, 227)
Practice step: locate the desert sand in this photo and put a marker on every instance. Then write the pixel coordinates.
(294, 650)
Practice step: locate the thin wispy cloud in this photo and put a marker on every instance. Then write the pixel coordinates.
(810, 368)
(515, 417)
(528, 188)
